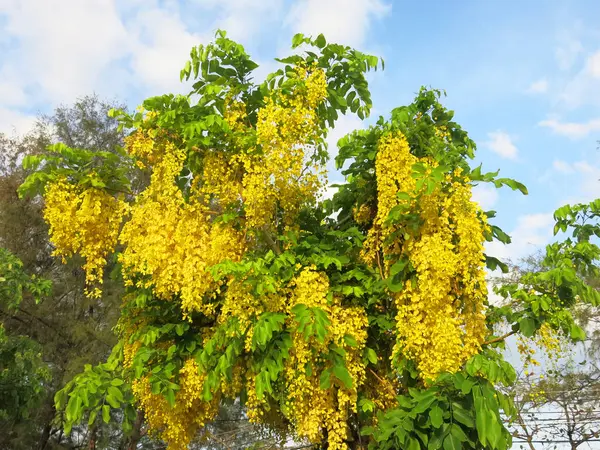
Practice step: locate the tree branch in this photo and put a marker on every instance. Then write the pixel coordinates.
(499, 339)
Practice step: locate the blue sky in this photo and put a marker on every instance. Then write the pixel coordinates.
(522, 75)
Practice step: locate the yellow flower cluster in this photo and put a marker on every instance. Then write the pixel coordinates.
(171, 243)
(551, 344)
(129, 351)
(440, 319)
(84, 221)
(235, 114)
(240, 303)
(310, 408)
(177, 425)
(140, 144)
(393, 167)
(221, 179)
(286, 126)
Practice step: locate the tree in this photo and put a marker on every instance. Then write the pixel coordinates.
(556, 392)
(68, 329)
(360, 321)
(23, 374)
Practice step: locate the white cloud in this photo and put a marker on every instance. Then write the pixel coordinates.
(486, 195)
(567, 52)
(62, 49)
(583, 181)
(593, 65)
(63, 46)
(341, 21)
(162, 45)
(533, 231)
(344, 125)
(573, 130)
(501, 143)
(538, 87)
(588, 178)
(562, 166)
(14, 122)
(242, 19)
(584, 86)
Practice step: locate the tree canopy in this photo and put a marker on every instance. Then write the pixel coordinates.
(360, 321)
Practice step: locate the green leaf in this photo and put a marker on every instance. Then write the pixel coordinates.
(463, 416)
(350, 341)
(325, 379)
(493, 263)
(436, 416)
(452, 443)
(412, 444)
(170, 396)
(320, 41)
(398, 267)
(577, 333)
(458, 433)
(106, 413)
(366, 405)
(116, 382)
(371, 355)
(92, 417)
(436, 440)
(514, 185)
(481, 421)
(527, 326)
(297, 40)
(116, 393)
(342, 374)
(113, 401)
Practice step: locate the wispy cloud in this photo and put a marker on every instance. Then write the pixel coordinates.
(486, 195)
(533, 231)
(573, 130)
(568, 51)
(562, 166)
(501, 143)
(584, 87)
(342, 21)
(538, 87)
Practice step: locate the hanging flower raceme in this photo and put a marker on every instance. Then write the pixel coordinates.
(178, 424)
(440, 318)
(310, 407)
(287, 126)
(170, 243)
(84, 221)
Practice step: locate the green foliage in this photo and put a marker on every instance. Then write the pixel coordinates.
(93, 394)
(461, 410)
(15, 282)
(564, 278)
(23, 373)
(23, 377)
(88, 168)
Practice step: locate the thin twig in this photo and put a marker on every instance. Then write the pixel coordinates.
(379, 265)
(382, 381)
(498, 339)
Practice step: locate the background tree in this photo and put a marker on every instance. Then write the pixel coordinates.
(556, 390)
(67, 328)
(23, 374)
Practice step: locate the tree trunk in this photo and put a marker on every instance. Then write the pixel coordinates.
(137, 431)
(130, 442)
(45, 436)
(93, 433)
